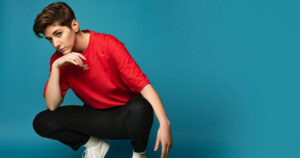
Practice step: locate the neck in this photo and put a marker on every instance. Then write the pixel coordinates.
(81, 41)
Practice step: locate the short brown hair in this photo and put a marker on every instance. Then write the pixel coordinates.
(55, 13)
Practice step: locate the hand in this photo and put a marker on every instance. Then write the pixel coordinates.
(164, 137)
(71, 58)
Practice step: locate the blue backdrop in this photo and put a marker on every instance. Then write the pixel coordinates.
(227, 73)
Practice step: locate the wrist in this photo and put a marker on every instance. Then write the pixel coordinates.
(165, 123)
(55, 65)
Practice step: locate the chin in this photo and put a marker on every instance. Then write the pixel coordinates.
(65, 52)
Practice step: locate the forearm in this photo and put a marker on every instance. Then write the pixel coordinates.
(53, 94)
(153, 98)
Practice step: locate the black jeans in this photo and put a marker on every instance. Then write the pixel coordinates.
(73, 125)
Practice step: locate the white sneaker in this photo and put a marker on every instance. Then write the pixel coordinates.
(139, 155)
(97, 151)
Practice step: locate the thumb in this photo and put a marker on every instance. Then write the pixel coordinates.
(156, 144)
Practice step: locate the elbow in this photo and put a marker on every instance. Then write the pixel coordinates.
(51, 107)
(145, 89)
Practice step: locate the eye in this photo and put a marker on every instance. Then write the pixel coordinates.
(58, 34)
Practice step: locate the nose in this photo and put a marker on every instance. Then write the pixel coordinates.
(56, 44)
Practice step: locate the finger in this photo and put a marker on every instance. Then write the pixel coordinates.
(156, 144)
(163, 151)
(167, 149)
(170, 147)
(77, 60)
(72, 61)
(80, 61)
(80, 55)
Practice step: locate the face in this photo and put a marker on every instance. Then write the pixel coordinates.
(62, 38)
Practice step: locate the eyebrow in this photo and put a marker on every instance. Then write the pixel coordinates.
(53, 33)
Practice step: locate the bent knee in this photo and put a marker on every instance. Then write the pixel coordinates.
(45, 122)
(140, 105)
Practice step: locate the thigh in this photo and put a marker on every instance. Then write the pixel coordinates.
(104, 123)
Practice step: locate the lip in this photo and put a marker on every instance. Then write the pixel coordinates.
(61, 50)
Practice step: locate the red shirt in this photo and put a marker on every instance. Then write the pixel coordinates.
(111, 76)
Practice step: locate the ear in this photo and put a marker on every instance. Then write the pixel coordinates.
(75, 25)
